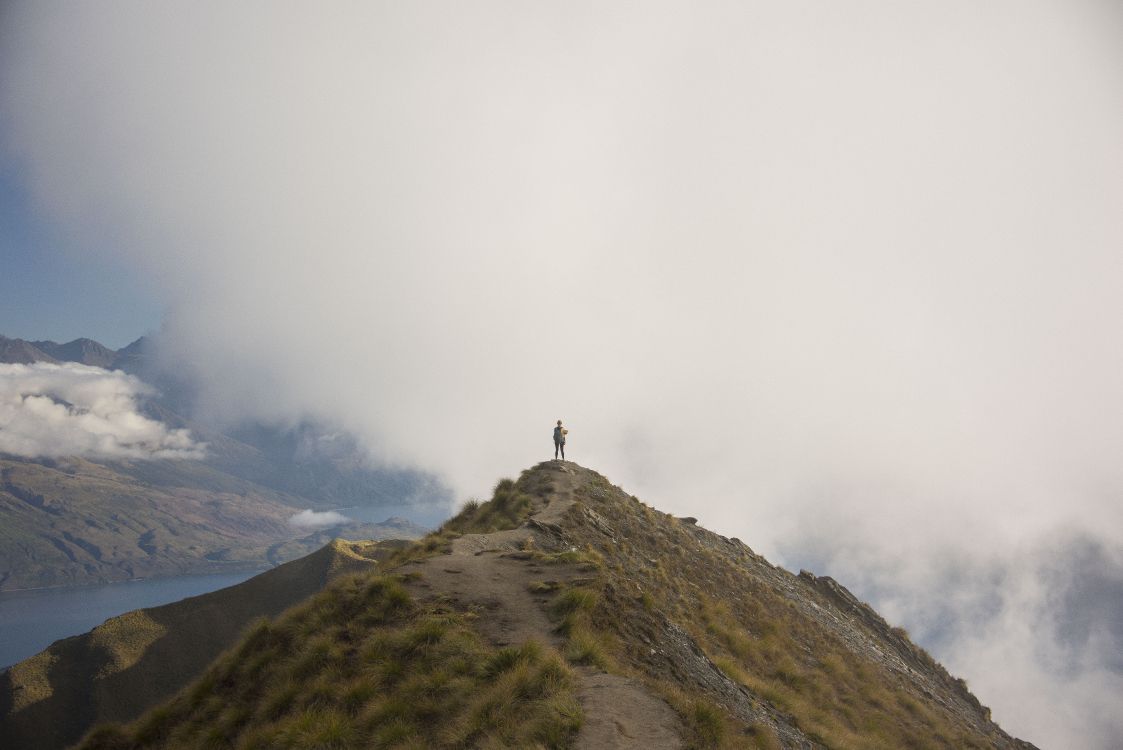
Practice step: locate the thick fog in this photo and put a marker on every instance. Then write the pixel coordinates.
(841, 279)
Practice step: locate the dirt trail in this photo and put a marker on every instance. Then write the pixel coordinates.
(620, 713)
(478, 574)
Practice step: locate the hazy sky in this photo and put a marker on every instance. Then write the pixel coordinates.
(51, 288)
(841, 279)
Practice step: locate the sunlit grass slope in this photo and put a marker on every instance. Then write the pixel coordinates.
(362, 665)
(745, 650)
(132, 662)
(748, 655)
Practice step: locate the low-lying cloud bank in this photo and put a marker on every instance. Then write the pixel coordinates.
(314, 519)
(49, 410)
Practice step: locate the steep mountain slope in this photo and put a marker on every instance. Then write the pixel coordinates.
(20, 352)
(566, 613)
(71, 521)
(84, 351)
(134, 661)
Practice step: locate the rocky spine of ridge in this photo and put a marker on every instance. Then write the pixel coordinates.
(20, 352)
(654, 632)
(81, 351)
(84, 351)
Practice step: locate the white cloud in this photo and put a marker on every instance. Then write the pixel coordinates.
(841, 281)
(49, 410)
(314, 519)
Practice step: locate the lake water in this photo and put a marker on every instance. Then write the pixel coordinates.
(32, 620)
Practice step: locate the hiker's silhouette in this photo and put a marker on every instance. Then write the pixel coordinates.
(559, 440)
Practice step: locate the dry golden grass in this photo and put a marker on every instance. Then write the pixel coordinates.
(508, 508)
(125, 639)
(752, 633)
(361, 665)
(32, 677)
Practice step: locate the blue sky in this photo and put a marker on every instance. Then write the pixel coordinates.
(49, 290)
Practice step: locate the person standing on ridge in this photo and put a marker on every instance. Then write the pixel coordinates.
(559, 440)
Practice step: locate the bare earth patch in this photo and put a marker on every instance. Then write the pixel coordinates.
(620, 713)
(493, 574)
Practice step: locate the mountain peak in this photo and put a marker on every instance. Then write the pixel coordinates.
(20, 352)
(82, 350)
(565, 612)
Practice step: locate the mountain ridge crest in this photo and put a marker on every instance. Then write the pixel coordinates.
(607, 622)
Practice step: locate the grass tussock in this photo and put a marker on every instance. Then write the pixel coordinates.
(837, 697)
(361, 665)
(587, 560)
(707, 727)
(659, 572)
(508, 508)
(572, 610)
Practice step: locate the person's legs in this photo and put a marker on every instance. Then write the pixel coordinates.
(557, 447)
(563, 450)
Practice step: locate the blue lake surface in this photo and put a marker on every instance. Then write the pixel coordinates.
(32, 620)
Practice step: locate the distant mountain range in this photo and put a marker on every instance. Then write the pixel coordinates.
(83, 351)
(76, 521)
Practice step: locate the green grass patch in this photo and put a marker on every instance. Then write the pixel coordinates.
(508, 508)
(376, 671)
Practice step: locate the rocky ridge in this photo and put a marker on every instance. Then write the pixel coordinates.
(674, 636)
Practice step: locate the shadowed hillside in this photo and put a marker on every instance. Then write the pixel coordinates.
(566, 613)
(131, 662)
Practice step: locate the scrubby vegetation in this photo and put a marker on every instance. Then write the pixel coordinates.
(749, 656)
(509, 507)
(362, 665)
(583, 643)
(660, 569)
(838, 698)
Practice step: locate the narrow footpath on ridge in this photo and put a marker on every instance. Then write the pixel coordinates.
(492, 574)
